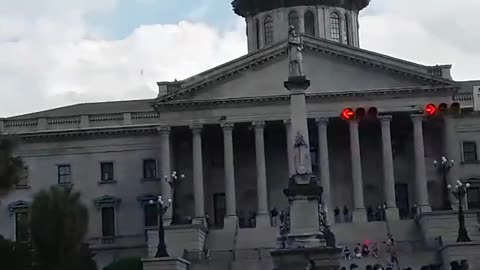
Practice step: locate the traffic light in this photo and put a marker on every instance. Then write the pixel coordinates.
(348, 114)
(359, 113)
(433, 110)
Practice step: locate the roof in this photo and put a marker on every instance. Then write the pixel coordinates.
(109, 107)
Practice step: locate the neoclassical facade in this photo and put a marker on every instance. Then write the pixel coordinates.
(226, 131)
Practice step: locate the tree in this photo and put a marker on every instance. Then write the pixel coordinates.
(11, 167)
(58, 225)
(14, 255)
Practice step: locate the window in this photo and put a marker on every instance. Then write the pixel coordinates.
(268, 27)
(106, 170)
(309, 18)
(473, 197)
(21, 227)
(346, 27)
(257, 33)
(469, 151)
(335, 27)
(64, 174)
(149, 169)
(151, 218)
(23, 179)
(108, 222)
(293, 20)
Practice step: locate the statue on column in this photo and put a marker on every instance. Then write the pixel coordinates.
(295, 48)
(301, 155)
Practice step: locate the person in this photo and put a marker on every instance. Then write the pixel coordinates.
(393, 261)
(357, 251)
(337, 214)
(347, 253)
(413, 211)
(390, 243)
(375, 250)
(455, 265)
(329, 237)
(377, 267)
(274, 215)
(343, 268)
(365, 250)
(369, 267)
(369, 213)
(346, 214)
(464, 265)
(353, 266)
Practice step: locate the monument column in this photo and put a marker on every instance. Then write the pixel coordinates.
(388, 171)
(324, 165)
(198, 194)
(263, 218)
(288, 130)
(359, 213)
(421, 191)
(231, 217)
(166, 170)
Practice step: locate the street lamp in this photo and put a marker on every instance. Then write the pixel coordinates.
(444, 167)
(459, 192)
(162, 208)
(172, 181)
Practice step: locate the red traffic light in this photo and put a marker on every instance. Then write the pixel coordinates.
(348, 114)
(431, 109)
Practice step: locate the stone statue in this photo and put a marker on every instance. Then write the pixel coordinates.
(295, 48)
(301, 155)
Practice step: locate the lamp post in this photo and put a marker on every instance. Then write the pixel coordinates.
(162, 207)
(444, 166)
(459, 192)
(172, 182)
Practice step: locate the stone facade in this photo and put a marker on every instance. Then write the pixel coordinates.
(226, 129)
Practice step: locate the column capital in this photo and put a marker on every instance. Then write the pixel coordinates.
(258, 124)
(322, 121)
(384, 119)
(417, 117)
(227, 126)
(196, 128)
(164, 129)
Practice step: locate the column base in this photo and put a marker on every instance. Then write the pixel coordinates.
(319, 258)
(167, 263)
(424, 209)
(230, 223)
(392, 214)
(359, 216)
(263, 220)
(200, 221)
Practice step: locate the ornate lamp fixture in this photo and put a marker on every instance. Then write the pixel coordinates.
(459, 192)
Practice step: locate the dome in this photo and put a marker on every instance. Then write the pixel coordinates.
(268, 20)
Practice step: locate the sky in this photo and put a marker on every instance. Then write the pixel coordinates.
(56, 52)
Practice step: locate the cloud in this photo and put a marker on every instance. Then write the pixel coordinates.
(50, 56)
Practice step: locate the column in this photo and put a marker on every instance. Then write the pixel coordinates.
(421, 191)
(359, 213)
(231, 216)
(324, 165)
(388, 172)
(165, 170)
(198, 190)
(288, 130)
(263, 218)
(452, 152)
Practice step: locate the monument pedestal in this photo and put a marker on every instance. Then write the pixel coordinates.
(168, 263)
(323, 258)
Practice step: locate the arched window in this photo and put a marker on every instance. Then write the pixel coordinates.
(346, 29)
(335, 27)
(293, 20)
(309, 19)
(257, 33)
(268, 30)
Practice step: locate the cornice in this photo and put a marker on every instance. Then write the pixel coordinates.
(281, 99)
(88, 132)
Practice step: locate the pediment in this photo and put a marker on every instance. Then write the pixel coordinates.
(331, 68)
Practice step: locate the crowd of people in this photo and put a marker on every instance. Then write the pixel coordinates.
(463, 265)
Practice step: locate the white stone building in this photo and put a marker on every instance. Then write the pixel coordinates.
(226, 130)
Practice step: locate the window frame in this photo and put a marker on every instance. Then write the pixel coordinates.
(60, 175)
(144, 169)
(335, 27)
(146, 217)
(346, 30)
(294, 19)
(474, 152)
(102, 172)
(16, 226)
(114, 223)
(268, 35)
(23, 181)
(305, 23)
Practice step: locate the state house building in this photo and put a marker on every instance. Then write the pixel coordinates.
(226, 131)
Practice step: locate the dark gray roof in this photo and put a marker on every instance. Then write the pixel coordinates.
(109, 107)
(467, 86)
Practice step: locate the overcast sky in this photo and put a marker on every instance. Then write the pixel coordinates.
(57, 52)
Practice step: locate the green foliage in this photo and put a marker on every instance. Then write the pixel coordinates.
(10, 167)
(14, 255)
(129, 263)
(58, 225)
